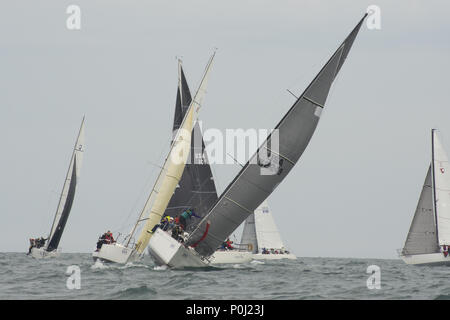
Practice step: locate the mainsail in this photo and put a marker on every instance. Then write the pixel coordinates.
(422, 236)
(252, 186)
(173, 168)
(196, 189)
(68, 192)
(441, 177)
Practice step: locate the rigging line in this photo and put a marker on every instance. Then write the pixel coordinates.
(292, 93)
(235, 160)
(145, 187)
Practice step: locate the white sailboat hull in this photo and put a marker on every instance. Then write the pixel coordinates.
(270, 256)
(231, 256)
(41, 253)
(430, 259)
(165, 250)
(115, 253)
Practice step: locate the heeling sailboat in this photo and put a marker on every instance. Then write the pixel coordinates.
(251, 187)
(196, 190)
(429, 234)
(164, 186)
(65, 202)
(262, 235)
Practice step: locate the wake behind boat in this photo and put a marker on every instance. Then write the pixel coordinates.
(428, 238)
(45, 248)
(252, 186)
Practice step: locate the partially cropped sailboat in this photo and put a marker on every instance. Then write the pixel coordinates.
(253, 184)
(262, 236)
(428, 238)
(165, 185)
(43, 248)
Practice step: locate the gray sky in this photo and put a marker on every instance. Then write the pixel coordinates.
(352, 194)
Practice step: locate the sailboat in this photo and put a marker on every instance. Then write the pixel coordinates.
(196, 189)
(253, 185)
(50, 248)
(262, 236)
(164, 187)
(428, 238)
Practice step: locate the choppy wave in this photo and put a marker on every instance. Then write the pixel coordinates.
(22, 277)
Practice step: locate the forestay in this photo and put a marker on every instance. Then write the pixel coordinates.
(253, 184)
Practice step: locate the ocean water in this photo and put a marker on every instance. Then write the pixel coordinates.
(22, 277)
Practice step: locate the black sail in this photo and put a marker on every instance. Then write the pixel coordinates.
(183, 100)
(53, 242)
(196, 189)
(254, 184)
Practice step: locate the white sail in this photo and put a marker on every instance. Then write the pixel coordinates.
(260, 230)
(422, 236)
(441, 175)
(173, 168)
(267, 233)
(68, 192)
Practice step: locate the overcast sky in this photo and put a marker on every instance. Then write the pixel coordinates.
(353, 192)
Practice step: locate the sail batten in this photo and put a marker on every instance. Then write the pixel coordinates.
(251, 187)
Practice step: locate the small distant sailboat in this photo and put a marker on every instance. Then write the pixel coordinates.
(251, 187)
(43, 248)
(164, 187)
(262, 236)
(428, 238)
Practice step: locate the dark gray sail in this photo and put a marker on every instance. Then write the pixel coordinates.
(183, 100)
(253, 184)
(53, 242)
(249, 234)
(422, 237)
(196, 189)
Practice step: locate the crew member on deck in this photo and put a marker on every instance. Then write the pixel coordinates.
(186, 216)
